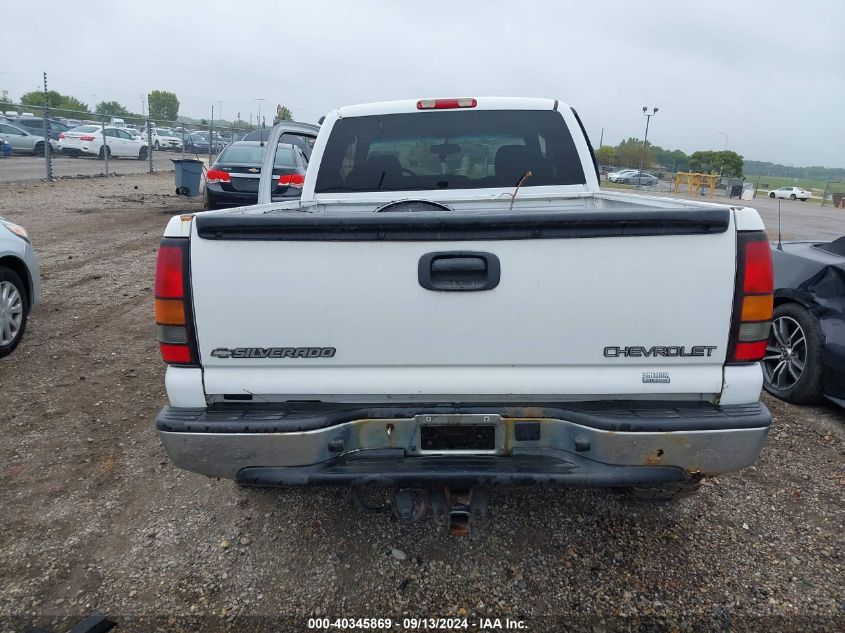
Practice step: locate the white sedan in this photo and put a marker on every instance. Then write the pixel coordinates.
(790, 192)
(165, 138)
(88, 139)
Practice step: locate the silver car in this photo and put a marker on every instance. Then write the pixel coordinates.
(20, 284)
(22, 141)
(643, 179)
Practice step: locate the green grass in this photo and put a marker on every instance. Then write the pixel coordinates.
(606, 184)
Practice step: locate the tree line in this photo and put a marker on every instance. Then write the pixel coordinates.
(164, 105)
(629, 152)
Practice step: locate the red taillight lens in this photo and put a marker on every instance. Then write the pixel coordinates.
(446, 104)
(291, 180)
(61, 135)
(753, 298)
(169, 280)
(86, 137)
(758, 268)
(215, 176)
(173, 313)
(750, 352)
(175, 354)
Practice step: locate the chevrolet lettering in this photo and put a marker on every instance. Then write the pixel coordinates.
(668, 351)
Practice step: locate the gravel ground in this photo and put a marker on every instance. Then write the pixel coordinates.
(94, 517)
(20, 168)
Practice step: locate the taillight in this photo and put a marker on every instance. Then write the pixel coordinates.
(61, 135)
(215, 176)
(753, 298)
(86, 137)
(445, 104)
(291, 180)
(173, 313)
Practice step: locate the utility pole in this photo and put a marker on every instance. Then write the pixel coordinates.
(258, 120)
(645, 140)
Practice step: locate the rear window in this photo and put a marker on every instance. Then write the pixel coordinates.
(86, 128)
(254, 154)
(449, 150)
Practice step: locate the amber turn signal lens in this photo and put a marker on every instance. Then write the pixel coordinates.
(170, 312)
(757, 307)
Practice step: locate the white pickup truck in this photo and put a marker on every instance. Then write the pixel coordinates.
(454, 303)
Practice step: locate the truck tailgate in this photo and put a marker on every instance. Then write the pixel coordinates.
(626, 307)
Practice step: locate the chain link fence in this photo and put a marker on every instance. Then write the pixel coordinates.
(727, 187)
(38, 142)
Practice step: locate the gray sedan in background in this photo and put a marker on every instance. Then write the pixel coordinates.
(633, 178)
(20, 284)
(23, 142)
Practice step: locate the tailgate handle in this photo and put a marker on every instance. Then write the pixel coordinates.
(459, 271)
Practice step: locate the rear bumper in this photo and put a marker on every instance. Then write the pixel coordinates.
(218, 195)
(600, 444)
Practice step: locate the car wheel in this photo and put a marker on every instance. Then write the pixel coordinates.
(792, 196)
(38, 149)
(142, 154)
(207, 202)
(104, 151)
(13, 311)
(772, 194)
(792, 368)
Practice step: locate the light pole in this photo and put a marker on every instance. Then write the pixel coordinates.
(258, 120)
(645, 140)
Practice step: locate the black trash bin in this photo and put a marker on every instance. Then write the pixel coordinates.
(188, 176)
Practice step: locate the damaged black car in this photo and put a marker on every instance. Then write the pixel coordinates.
(805, 355)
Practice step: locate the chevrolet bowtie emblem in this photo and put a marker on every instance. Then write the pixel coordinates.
(253, 170)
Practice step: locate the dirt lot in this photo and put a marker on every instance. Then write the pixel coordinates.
(20, 168)
(94, 517)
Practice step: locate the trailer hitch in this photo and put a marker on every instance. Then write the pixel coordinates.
(457, 508)
(460, 508)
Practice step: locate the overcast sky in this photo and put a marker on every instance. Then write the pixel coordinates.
(768, 73)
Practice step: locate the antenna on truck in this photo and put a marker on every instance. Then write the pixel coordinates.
(780, 246)
(525, 177)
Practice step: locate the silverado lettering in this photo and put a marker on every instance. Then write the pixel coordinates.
(274, 352)
(672, 351)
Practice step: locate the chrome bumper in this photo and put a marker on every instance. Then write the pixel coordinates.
(223, 444)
